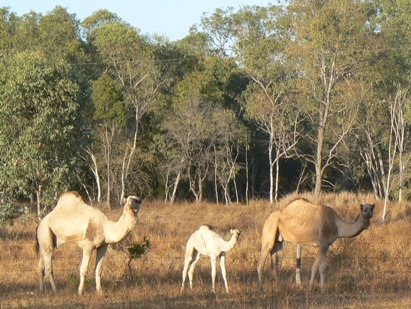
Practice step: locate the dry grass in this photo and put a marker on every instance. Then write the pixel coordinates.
(371, 270)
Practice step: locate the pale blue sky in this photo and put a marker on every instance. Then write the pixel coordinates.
(172, 18)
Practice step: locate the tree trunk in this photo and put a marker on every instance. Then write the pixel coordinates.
(271, 169)
(176, 182)
(128, 156)
(38, 197)
(318, 164)
(109, 139)
(277, 174)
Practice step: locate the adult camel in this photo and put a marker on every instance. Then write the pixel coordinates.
(304, 223)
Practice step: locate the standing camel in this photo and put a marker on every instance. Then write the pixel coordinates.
(207, 242)
(73, 221)
(304, 223)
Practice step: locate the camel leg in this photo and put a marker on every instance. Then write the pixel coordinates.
(263, 257)
(99, 263)
(48, 267)
(40, 271)
(274, 265)
(187, 263)
(223, 272)
(196, 256)
(275, 258)
(213, 272)
(319, 260)
(87, 251)
(323, 264)
(45, 243)
(298, 264)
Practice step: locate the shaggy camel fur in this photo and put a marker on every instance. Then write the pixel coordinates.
(207, 242)
(73, 221)
(304, 223)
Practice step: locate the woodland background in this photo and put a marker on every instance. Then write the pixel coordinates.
(256, 102)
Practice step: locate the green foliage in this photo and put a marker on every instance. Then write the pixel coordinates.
(39, 117)
(137, 250)
(148, 112)
(108, 101)
(9, 212)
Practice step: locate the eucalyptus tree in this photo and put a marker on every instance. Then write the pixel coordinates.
(109, 115)
(203, 131)
(386, 153)
(330, 43)
(129, 58)
(259, 43)
(40, 127)
(7, 30)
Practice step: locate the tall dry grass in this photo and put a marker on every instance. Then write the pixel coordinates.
(371, 270)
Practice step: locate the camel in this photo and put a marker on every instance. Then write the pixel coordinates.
(304, 223)
(208, 242)
(73, 221)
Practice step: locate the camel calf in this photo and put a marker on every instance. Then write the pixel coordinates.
(207, 242)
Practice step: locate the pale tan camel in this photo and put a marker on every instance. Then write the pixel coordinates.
(73, 221)
(208, 242)
(304, 223)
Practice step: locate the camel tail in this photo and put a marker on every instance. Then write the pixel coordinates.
(36, 241)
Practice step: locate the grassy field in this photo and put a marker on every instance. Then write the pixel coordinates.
(371, 270)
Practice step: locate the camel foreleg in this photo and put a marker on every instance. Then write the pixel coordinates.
(87, 251)
(223, 271)
(213, 272)
(319, 263)
(99, 263)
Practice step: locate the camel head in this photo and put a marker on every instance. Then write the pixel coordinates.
(367, 210)
(133, 203)
(235, 232)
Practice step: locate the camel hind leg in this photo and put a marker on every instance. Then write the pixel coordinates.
(190, 256)
(270, 243)
(196, 257)
(99, 263)
(298, 254)
(45, 245)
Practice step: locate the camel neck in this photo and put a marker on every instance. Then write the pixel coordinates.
(348, 230)
(228, 245)
(117, 231)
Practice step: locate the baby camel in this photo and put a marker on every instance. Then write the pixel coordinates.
(207, 242)
(73, 221)
(304, 223)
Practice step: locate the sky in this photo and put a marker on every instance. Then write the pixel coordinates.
(171, 18)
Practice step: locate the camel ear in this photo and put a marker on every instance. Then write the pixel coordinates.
(124, 200)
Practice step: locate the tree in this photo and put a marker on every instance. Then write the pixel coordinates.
(128, 57)
(109, 115)
(259, 46)
(329, 47)
(40, 127)
(388, 117)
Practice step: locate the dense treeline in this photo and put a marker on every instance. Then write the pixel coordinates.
(254, 102)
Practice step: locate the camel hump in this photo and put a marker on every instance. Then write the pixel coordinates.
(70, 198)
(207, 227)
(71, 194)
(300, 201)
